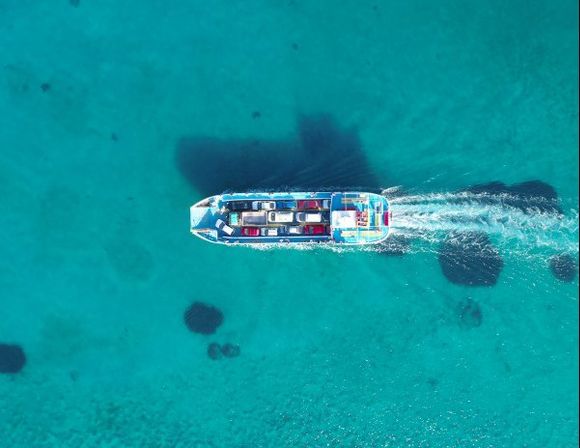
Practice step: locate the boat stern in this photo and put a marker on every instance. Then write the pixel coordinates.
(359, 218)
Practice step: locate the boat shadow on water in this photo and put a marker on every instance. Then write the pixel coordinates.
(320, 155)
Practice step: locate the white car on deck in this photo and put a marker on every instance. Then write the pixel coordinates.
(221, 225)
(283, 217)
(294, 230)
(263, 205)
(308, 217)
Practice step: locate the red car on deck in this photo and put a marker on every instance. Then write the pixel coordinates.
(308, 205)
(250, 231)
(314, 230)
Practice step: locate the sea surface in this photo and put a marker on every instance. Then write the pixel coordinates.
(116, 116)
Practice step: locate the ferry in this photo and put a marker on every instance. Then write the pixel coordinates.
(343, 218)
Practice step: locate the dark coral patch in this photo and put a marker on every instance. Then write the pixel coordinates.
(563, 267)
(202, 318)
(469, 313)
(12, 358)
(469, 258)
(529, 196)
(231, 350)
(214, 351)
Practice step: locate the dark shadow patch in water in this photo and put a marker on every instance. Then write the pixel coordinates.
(203, 319)
(231, 350)
(564, 267)
(469, 313)
(469, 258)
(320, 154)
(214, 351)
(527, 196)
(12, 358)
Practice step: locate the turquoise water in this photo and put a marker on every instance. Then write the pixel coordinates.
(338, 348)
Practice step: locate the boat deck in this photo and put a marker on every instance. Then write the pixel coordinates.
(318, 217)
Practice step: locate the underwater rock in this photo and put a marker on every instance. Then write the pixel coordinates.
(396, 245)
(214, 351)
(202, 318)
(469, 313)
(433, 383)
(45, 87)
(12, 358)
(469, 258)
(526, 196)
(231, 350)
(563, 267)
(315, 157)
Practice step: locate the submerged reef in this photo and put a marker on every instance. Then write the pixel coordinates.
(203, 319)
(12, 358)
(527, 196)
(563, 267)
(320, 154)
(469, 313)
(469, 258)
(231, 350)
(214, 351)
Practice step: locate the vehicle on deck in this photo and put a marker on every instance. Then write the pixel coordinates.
(220, 225)
(308, 217)
(295, 230)
(263, 205)
(250, 231)
(316, 229)
(309, 205)
(253, 219)
(238, 206)
(286, 205)
(281, 217)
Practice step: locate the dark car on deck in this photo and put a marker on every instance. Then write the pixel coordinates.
(240, 206)
(314, 229)
(285, 205)
(309, 205)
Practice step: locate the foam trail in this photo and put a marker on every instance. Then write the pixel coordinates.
(434, 216)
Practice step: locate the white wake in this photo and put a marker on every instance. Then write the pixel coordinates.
(434, 216)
